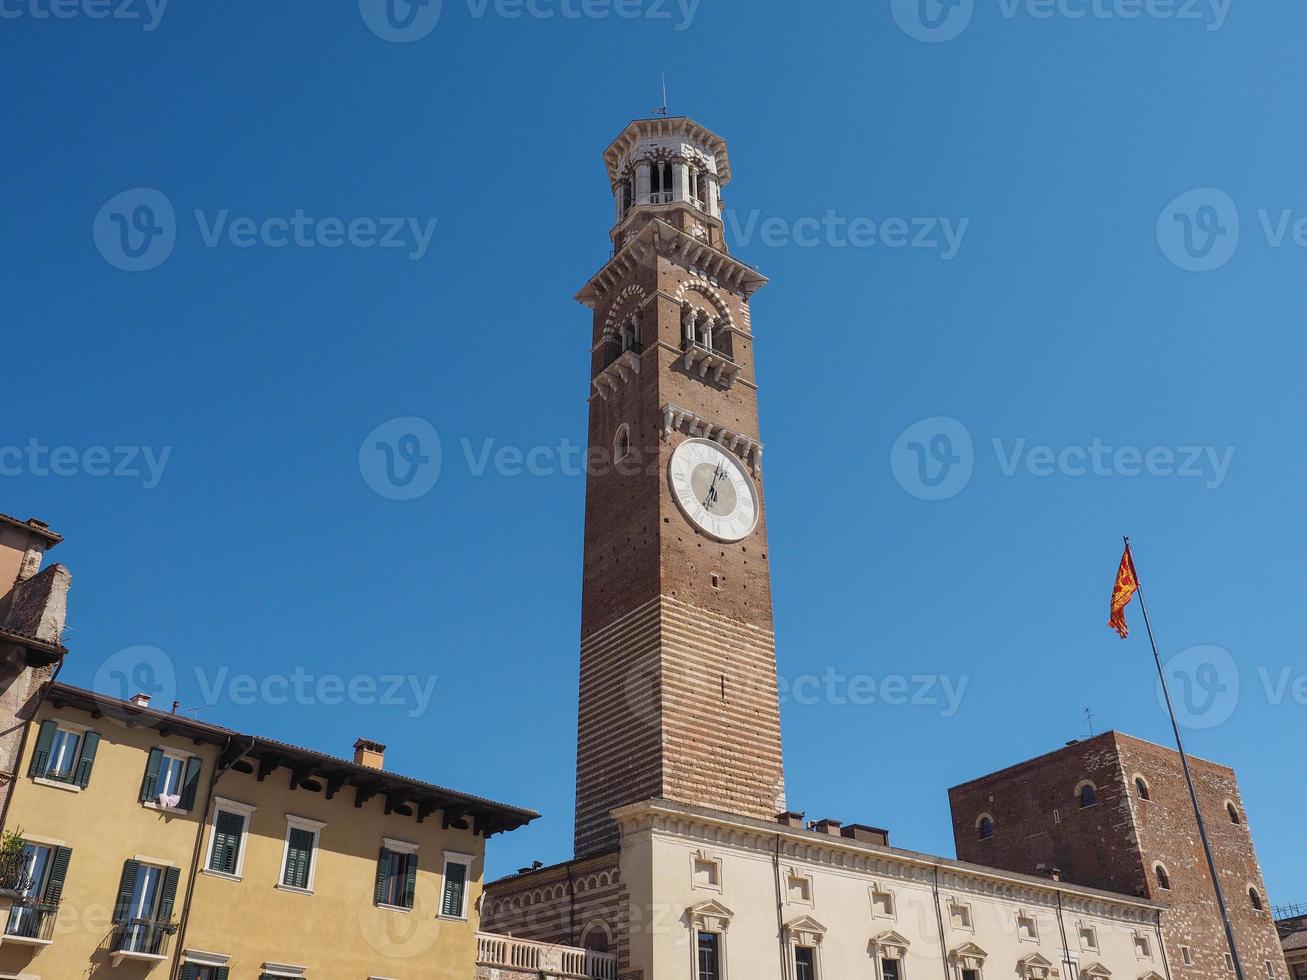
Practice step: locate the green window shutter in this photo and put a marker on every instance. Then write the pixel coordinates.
(41, 754)
(189, 972)
(299, 858)
(123, 906)
(149, 785)
(455, 888)
(228, 829)
(54, 885)
(383, 870)
(192, 785)
(90, 742)
(222, 973)
(410, 880)
(168, 895)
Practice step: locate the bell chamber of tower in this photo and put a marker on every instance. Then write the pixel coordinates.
(670, 169)
(678, 697)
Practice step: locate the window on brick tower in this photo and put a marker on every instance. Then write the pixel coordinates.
(1163, 878)
(1088, 796)
(985, 828)
(1255, 900)
(660, 183)
(1142, 788)
(1233, 812)
(699, 188)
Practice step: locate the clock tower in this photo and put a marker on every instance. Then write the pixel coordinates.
(678, 696)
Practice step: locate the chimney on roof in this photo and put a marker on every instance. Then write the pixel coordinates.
(866, 835)
(370, 754)
(831, 828)
(141, 700)
(790, 819)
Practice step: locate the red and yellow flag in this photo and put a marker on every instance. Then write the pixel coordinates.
(1127, 584)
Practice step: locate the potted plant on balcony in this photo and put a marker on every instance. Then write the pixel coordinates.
(12, 880)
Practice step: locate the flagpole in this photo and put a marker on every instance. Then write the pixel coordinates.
(1189, 778)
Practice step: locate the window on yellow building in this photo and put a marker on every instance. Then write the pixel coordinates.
(198, 971)
(172, 780)
(64, 754)
(143, 913)
(299, 863)
(453, 902)
(227, 838)
(397, 872)
(39, 881)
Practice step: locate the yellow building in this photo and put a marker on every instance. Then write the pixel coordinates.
(165, 847)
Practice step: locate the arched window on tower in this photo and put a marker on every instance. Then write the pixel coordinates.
(699, 189)
(1256, 900)
(1088, 795)
(985, 828)
(1141, 786)
(660, 183)
(622, 444)
(1163, 878)
(1233, 812)
(630, 335)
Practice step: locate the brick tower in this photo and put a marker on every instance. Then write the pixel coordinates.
(1114, 813)
(678, 695)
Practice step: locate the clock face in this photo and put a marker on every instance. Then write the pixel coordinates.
(714, 490)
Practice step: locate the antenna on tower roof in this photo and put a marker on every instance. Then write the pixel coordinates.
(664, 109)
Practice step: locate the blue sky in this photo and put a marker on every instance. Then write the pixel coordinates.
(1098, 373)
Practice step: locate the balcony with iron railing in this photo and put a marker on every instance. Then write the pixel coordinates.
(142, 940)
(30, 923)
(531, 960)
